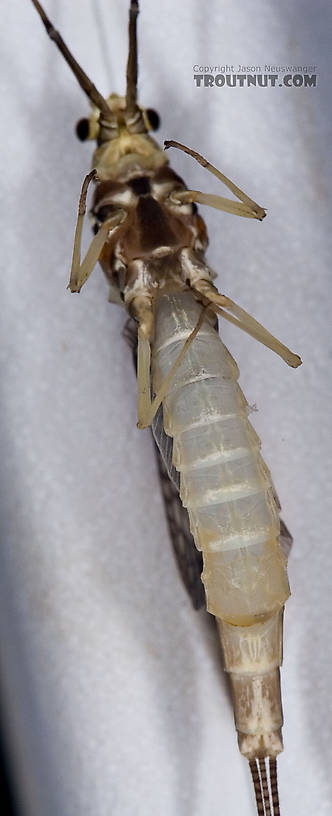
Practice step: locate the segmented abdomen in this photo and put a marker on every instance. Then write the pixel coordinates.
(225, 483)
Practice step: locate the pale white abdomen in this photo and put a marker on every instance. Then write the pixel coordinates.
(225, 484)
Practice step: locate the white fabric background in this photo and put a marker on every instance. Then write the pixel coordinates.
(115, 695)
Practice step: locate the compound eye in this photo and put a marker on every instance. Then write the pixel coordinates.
(82, 129)
(153, 119)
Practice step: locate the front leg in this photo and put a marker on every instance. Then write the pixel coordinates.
(80, 272)
(246, 206)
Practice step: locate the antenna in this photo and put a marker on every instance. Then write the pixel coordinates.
(132, 70)
(87, 86)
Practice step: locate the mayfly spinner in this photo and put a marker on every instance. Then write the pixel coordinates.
(150, 242)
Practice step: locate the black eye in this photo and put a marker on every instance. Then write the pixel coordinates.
(82, 129)
(154, 118)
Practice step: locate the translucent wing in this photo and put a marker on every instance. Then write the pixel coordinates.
(285, 538)
(165, 447)
(189, 559)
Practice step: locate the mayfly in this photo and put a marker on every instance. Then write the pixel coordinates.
(150, 241)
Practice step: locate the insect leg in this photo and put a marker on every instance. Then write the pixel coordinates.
(218, 202)
(247, 323)
(147, 408)
(197, 274)
(143, 379)
(80, 271)
(250, 208)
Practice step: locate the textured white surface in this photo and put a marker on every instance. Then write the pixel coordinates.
(113, 685)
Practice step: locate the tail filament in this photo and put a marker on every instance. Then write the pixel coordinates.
(264, 777)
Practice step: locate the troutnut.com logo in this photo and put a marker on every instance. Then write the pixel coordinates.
(267, 76)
